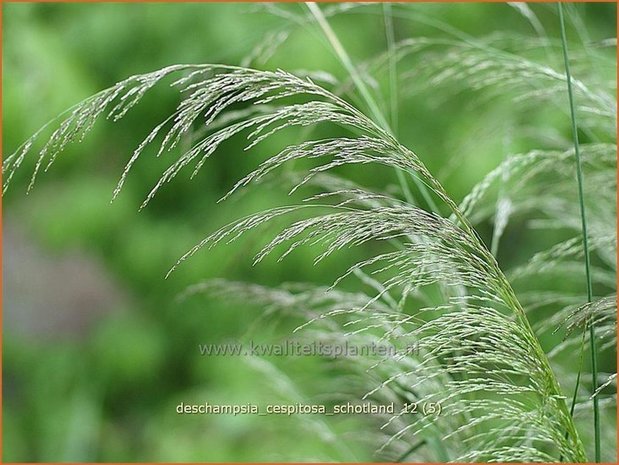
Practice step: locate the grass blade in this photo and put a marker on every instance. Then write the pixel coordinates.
(585, 241)
(393, 76)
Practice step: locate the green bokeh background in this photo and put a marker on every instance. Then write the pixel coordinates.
(104, 388)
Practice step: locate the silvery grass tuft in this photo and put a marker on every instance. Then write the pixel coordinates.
(503, 397)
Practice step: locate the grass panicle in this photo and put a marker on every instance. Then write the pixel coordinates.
(477, 356)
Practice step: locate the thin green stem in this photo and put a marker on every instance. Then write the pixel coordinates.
(393, 66)
(348, 64)
(585, 240)
(580, 360)
(578, 375)
(393, 90)
(365, 93)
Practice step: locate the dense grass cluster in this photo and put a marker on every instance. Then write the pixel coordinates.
(431, 280)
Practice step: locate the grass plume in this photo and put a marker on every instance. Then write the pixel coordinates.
(479, 356)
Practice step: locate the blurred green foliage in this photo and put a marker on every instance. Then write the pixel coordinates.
(109, 393)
